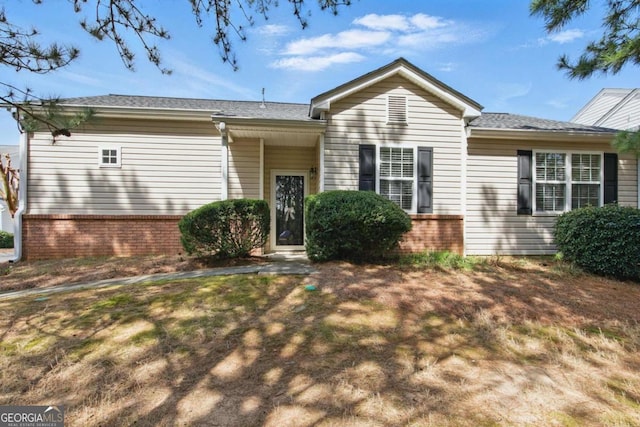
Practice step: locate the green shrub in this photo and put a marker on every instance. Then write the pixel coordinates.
(604, 240)
(6, 240)
(226, 229)
(352, 225)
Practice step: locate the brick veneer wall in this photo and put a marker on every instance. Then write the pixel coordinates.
(435, 232)
(65, 236)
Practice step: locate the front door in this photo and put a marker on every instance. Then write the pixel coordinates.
(288, 189)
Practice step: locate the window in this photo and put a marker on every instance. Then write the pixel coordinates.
(109, 157)
(397, 175)
(585, 180)
(401, 174)
(565, 181)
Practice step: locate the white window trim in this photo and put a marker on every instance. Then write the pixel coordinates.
(406, 110)
(568, 180)
(414, 186)
(118, 163)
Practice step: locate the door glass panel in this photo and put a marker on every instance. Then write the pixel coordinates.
(289, 210)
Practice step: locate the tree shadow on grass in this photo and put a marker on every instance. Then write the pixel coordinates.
(374, 345)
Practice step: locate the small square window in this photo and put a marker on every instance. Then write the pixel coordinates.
(109, 157)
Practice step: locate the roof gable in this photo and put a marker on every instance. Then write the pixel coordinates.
(601, 106)
(470, 109)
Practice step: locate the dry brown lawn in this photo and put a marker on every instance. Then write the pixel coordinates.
(507, 343)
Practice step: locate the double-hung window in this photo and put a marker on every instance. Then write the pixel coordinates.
(403, 175)
(565, 181)
(397, 174)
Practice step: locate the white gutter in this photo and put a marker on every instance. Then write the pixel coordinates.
(22, 198)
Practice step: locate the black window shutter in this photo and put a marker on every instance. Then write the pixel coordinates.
(610, 178)
(425, 180)
(367, 175)
(525, 182)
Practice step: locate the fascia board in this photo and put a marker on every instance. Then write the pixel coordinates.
(536, 135)
(271, 123)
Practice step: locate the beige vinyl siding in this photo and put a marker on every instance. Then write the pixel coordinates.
(244, 169)
(492, 225)
(362, 119)
(288, 158)
(167, 168)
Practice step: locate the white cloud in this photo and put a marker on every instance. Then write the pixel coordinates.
(427, 22)
(447, 67)
(389, 35)
(562, 37)
(316, 63)
(401, 23)
(273, 30)
(430, 39)
(566, 36)
(352, 39)
(384, 22)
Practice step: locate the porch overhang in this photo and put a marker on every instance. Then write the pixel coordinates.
(273, 132)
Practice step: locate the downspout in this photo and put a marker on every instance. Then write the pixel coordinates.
(22, 198)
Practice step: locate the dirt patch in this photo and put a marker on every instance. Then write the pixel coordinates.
(511, 290)
(518, 342)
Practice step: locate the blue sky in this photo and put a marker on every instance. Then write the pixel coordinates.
(493, 51)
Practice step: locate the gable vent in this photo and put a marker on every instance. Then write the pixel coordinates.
(397, 109)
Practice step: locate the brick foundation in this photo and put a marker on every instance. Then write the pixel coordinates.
(67, 236)
(435, 233)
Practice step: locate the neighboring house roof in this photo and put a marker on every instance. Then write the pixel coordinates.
(613, 108)
(217, 107)
(400, 66)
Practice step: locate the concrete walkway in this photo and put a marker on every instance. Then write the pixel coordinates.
(6, 255)
(279, 268)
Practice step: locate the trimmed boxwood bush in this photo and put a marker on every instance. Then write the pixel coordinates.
(603, 240)
(353, 225)
(6, 240)
(226, 229)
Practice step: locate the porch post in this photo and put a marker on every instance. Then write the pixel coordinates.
(261, 178)
(321, 165)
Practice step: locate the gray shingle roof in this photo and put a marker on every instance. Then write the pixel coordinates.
(223, 108)
(517, 122)
(292, 111)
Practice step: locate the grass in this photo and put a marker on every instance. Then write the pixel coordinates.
(375, 345)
